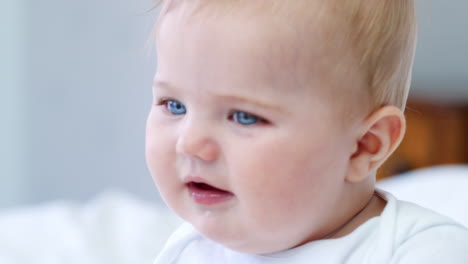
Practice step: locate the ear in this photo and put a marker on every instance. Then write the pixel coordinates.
(379, 136)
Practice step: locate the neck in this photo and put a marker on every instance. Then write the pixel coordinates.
(374, 207)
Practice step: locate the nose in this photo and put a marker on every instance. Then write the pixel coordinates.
(196, 140)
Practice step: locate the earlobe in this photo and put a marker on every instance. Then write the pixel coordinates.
(380, 135)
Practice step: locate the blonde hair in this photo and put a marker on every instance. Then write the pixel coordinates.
(381, 33)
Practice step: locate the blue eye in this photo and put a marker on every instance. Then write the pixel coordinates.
(175, 107)
(244, 118)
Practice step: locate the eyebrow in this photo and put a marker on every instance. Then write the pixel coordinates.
(167, 86)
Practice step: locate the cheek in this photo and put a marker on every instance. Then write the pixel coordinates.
(162, 162)
(280, 165)
(286, 176)
(160, 152)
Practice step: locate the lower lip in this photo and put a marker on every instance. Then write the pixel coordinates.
(208, 197)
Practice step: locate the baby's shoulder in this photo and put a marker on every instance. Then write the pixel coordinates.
(410, 219)
(424, 236)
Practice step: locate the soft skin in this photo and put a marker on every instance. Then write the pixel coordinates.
(298, 174)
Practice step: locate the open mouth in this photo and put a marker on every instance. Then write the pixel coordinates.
(206, 194)
(204, 187)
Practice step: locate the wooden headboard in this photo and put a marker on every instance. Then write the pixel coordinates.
(436, 134)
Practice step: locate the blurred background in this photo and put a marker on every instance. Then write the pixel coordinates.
(75, 80)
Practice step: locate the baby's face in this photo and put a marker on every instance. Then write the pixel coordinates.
(242, 139)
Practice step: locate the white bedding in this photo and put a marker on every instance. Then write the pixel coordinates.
(117, 228)
(112, 228)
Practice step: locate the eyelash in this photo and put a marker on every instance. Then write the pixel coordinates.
(261, 121)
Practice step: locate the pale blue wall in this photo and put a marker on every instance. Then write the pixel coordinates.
(441, 68)
(77, 95)
(13, 139)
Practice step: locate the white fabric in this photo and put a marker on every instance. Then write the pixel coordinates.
(443, 189)
(114, 228)
(404, 233)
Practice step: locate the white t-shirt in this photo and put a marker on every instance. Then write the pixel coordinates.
(403, 233)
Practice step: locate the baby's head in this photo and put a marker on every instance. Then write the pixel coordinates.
(270, 118)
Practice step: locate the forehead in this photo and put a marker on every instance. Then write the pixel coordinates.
(270, 54)
(271, 48)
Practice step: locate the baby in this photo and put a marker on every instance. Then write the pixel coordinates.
(269, 121)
